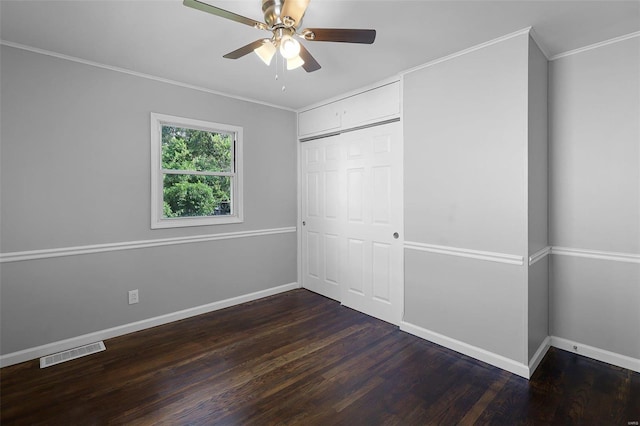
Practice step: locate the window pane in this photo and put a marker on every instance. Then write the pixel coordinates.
(192, 196)
(196, 150)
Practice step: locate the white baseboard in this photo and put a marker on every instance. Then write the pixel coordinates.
(469, 350)
(540, 353)
(515, 367)
(598, 354)
(62, 345)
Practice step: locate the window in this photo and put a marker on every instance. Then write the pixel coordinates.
(196, 172)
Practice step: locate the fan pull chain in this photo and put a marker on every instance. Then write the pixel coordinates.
(284, 88)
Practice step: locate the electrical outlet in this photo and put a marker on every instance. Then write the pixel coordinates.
(133, 296)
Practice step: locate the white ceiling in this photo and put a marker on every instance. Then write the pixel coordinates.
(168, 40)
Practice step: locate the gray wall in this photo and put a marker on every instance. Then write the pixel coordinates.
(538, 305)
(537, 166)
(474, 301)
(75, 171)
(465, 130)
(595, 195)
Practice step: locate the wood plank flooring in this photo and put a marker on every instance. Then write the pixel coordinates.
(299, 358)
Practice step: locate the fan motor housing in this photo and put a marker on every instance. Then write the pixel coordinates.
(272, 10)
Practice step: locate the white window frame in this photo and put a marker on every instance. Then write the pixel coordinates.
(157, 173)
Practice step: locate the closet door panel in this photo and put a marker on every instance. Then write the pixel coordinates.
(321, 217)
(374, 279)
(352, 219)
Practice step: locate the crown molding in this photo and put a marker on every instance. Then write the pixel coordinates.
(137, 74)
(536, 38)
(595, 45)
(480, 46)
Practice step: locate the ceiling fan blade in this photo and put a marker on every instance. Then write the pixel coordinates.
(244, 50)
(342, 35)
(195, 4)
(293, 9)
(310, 64)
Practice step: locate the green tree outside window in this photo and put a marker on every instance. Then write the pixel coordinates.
(197, 172)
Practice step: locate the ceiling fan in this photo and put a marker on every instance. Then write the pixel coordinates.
(283, 19)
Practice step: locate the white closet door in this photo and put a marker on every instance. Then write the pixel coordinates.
(352, 207)
(373, 257)
(321, 216)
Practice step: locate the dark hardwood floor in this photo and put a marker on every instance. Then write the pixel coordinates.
(299, 358)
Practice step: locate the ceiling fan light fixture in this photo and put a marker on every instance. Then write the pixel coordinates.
(266, 51)
(283, 18)
(295, 62)
(289, 47)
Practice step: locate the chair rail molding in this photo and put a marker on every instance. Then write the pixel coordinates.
(511, 259)
(539, 255)
(596, 254)
(19, 256)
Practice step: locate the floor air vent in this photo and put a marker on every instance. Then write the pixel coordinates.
(49, 360)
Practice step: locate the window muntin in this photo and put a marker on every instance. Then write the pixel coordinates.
(196, 172)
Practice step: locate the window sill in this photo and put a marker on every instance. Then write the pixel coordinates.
(194, 221)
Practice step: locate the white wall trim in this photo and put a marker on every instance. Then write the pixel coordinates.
(130, 245)
(595, 45)
(537, 358)
(137, 74)
(469, 253)
(401, 74)
(596, 353)
(385, 82)
(539, 255)
(467, 349)
(62, 345)
(469, 50)
(515, 367)
(235, 172)
(518, 260)
(534, 35)
(596, 254)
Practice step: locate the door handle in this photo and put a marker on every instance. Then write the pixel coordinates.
(304, 223)
(396, 235)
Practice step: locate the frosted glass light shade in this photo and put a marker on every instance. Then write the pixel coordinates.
(289, 47)
(295, 62)
(266, 51)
